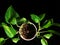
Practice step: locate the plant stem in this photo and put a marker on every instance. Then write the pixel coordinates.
(6, 38)
(43, 31)
(39, 27)
(17, 32)
(17, 25)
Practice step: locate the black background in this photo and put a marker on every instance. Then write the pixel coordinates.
(25, 8)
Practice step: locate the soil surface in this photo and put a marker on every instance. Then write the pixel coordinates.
(28, 31)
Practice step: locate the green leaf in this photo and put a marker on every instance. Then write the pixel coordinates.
(48, 23)
(15, 40)
(42, 16)
(13, 21)
(2, 40)
(23, 19)
(57, 24)
(35, 18)
(10, 13)
(55, 32)
(44, 41)
(10, 31)
(48, 36)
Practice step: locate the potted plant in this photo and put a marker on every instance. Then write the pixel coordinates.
(27, 30)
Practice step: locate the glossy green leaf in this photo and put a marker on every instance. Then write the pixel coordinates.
(23, 20)
(13, 21)
(35, 18)
(48, 36)
(10, 31)
(2, 40)
(10, 13)
(15, 40)
(54, 32)
(44, 41)
(48, 23)
(42, 16)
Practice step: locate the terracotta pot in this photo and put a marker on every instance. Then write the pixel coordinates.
(27, 31)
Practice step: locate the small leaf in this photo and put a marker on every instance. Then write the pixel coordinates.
(42, 16)
(10, 13)
(55, 32)
(10, 31)
(15, 40)
(44, 41)
(48, 23)
(35, 18)
(48, 36)
(23, 20)
(13, 21)
(2, 40)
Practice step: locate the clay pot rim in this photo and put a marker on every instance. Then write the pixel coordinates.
(33, 36)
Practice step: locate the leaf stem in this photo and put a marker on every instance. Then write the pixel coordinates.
(17, 32)
(6, 38)
(39, 27)
(17, 25)
(43, 31)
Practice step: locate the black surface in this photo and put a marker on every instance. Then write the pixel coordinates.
(25, 8)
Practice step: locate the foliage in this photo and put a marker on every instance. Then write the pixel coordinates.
(44, 41)
(13, 18)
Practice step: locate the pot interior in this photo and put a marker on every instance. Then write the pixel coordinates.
(27, 31)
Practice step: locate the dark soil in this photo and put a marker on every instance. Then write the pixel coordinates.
(28, 31)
